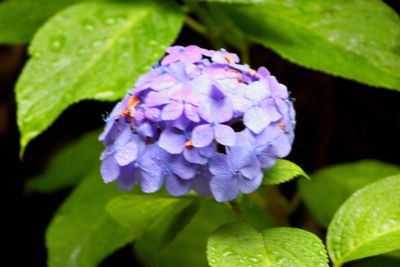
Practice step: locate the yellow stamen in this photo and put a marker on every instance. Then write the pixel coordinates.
(189, 144)
(229, 59)
(282, 126)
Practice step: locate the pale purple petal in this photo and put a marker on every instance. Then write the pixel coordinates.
(193, 155)
(172, 111)
(281, 146)
(154, 99)
(152, 114)
(224, 188)
(256, 119)
(191, 113)
(128, 176)
(202, 135)
(252, 170)
(201, 182)
(225, 135)
(176, 186)
(109, 169)
(146, 131)
(151, 179)
(123, 138)
(248, 186)
(269, 107)
(258, 91)
(182, 168)
(266, 159)
(127, 154)
(172, 140)
(219, 165)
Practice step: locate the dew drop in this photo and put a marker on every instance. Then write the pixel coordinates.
(88, 24)
(110, 21)
(227, 253)
(97, 43)
(37, 54)
(255, 260)
(57, 42)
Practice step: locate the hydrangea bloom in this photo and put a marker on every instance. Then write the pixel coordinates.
(198, 121)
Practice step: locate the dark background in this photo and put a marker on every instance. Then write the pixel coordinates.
(338, 121)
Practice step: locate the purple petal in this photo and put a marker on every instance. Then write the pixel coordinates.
(154, 99)
(201, 182)
(269, 107)
(193, 155)
(152, 114)
(219, 165)
(176, 186)
(225, 135)
(172, 111)
(182, 168)
(224, 188)
(258, 91)
(266, 159)
(248, 186)
(127, 154)
(146, 131)
(109, 169)
(251, 171)
(267, 135)
(123, 138)
(191, 113)
(202, 135)
(282, 105)
(172, 140)
(281, 146)
(216, 111)
(127, 177)
(256, 119)
(151, 179)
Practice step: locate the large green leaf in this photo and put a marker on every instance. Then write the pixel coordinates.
(70, 165)
(236, 1)
(357, 39)
(91, 51)
(241, 245)
(189, 246)
(282, 171)
(367, 224)
(331, 186)
(81, 232)
(137, 212)
(19, 19)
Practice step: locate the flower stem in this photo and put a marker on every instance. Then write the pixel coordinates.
(210, 30)
(277, 205)
(245, 52)
(236, 210)
(196, 26)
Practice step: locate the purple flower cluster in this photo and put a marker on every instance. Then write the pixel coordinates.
(176, 127)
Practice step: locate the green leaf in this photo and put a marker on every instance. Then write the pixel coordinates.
(137, 212)
(91, 51)
(83, 155)
(180, 221)
(358, 39)
(367, 224)
(282, 171)
(189, 246)
(235, 1)
(241, 245)
(81, 232)
(19, 19)
(331, 186)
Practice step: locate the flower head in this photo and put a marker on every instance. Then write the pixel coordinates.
(198, 121)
